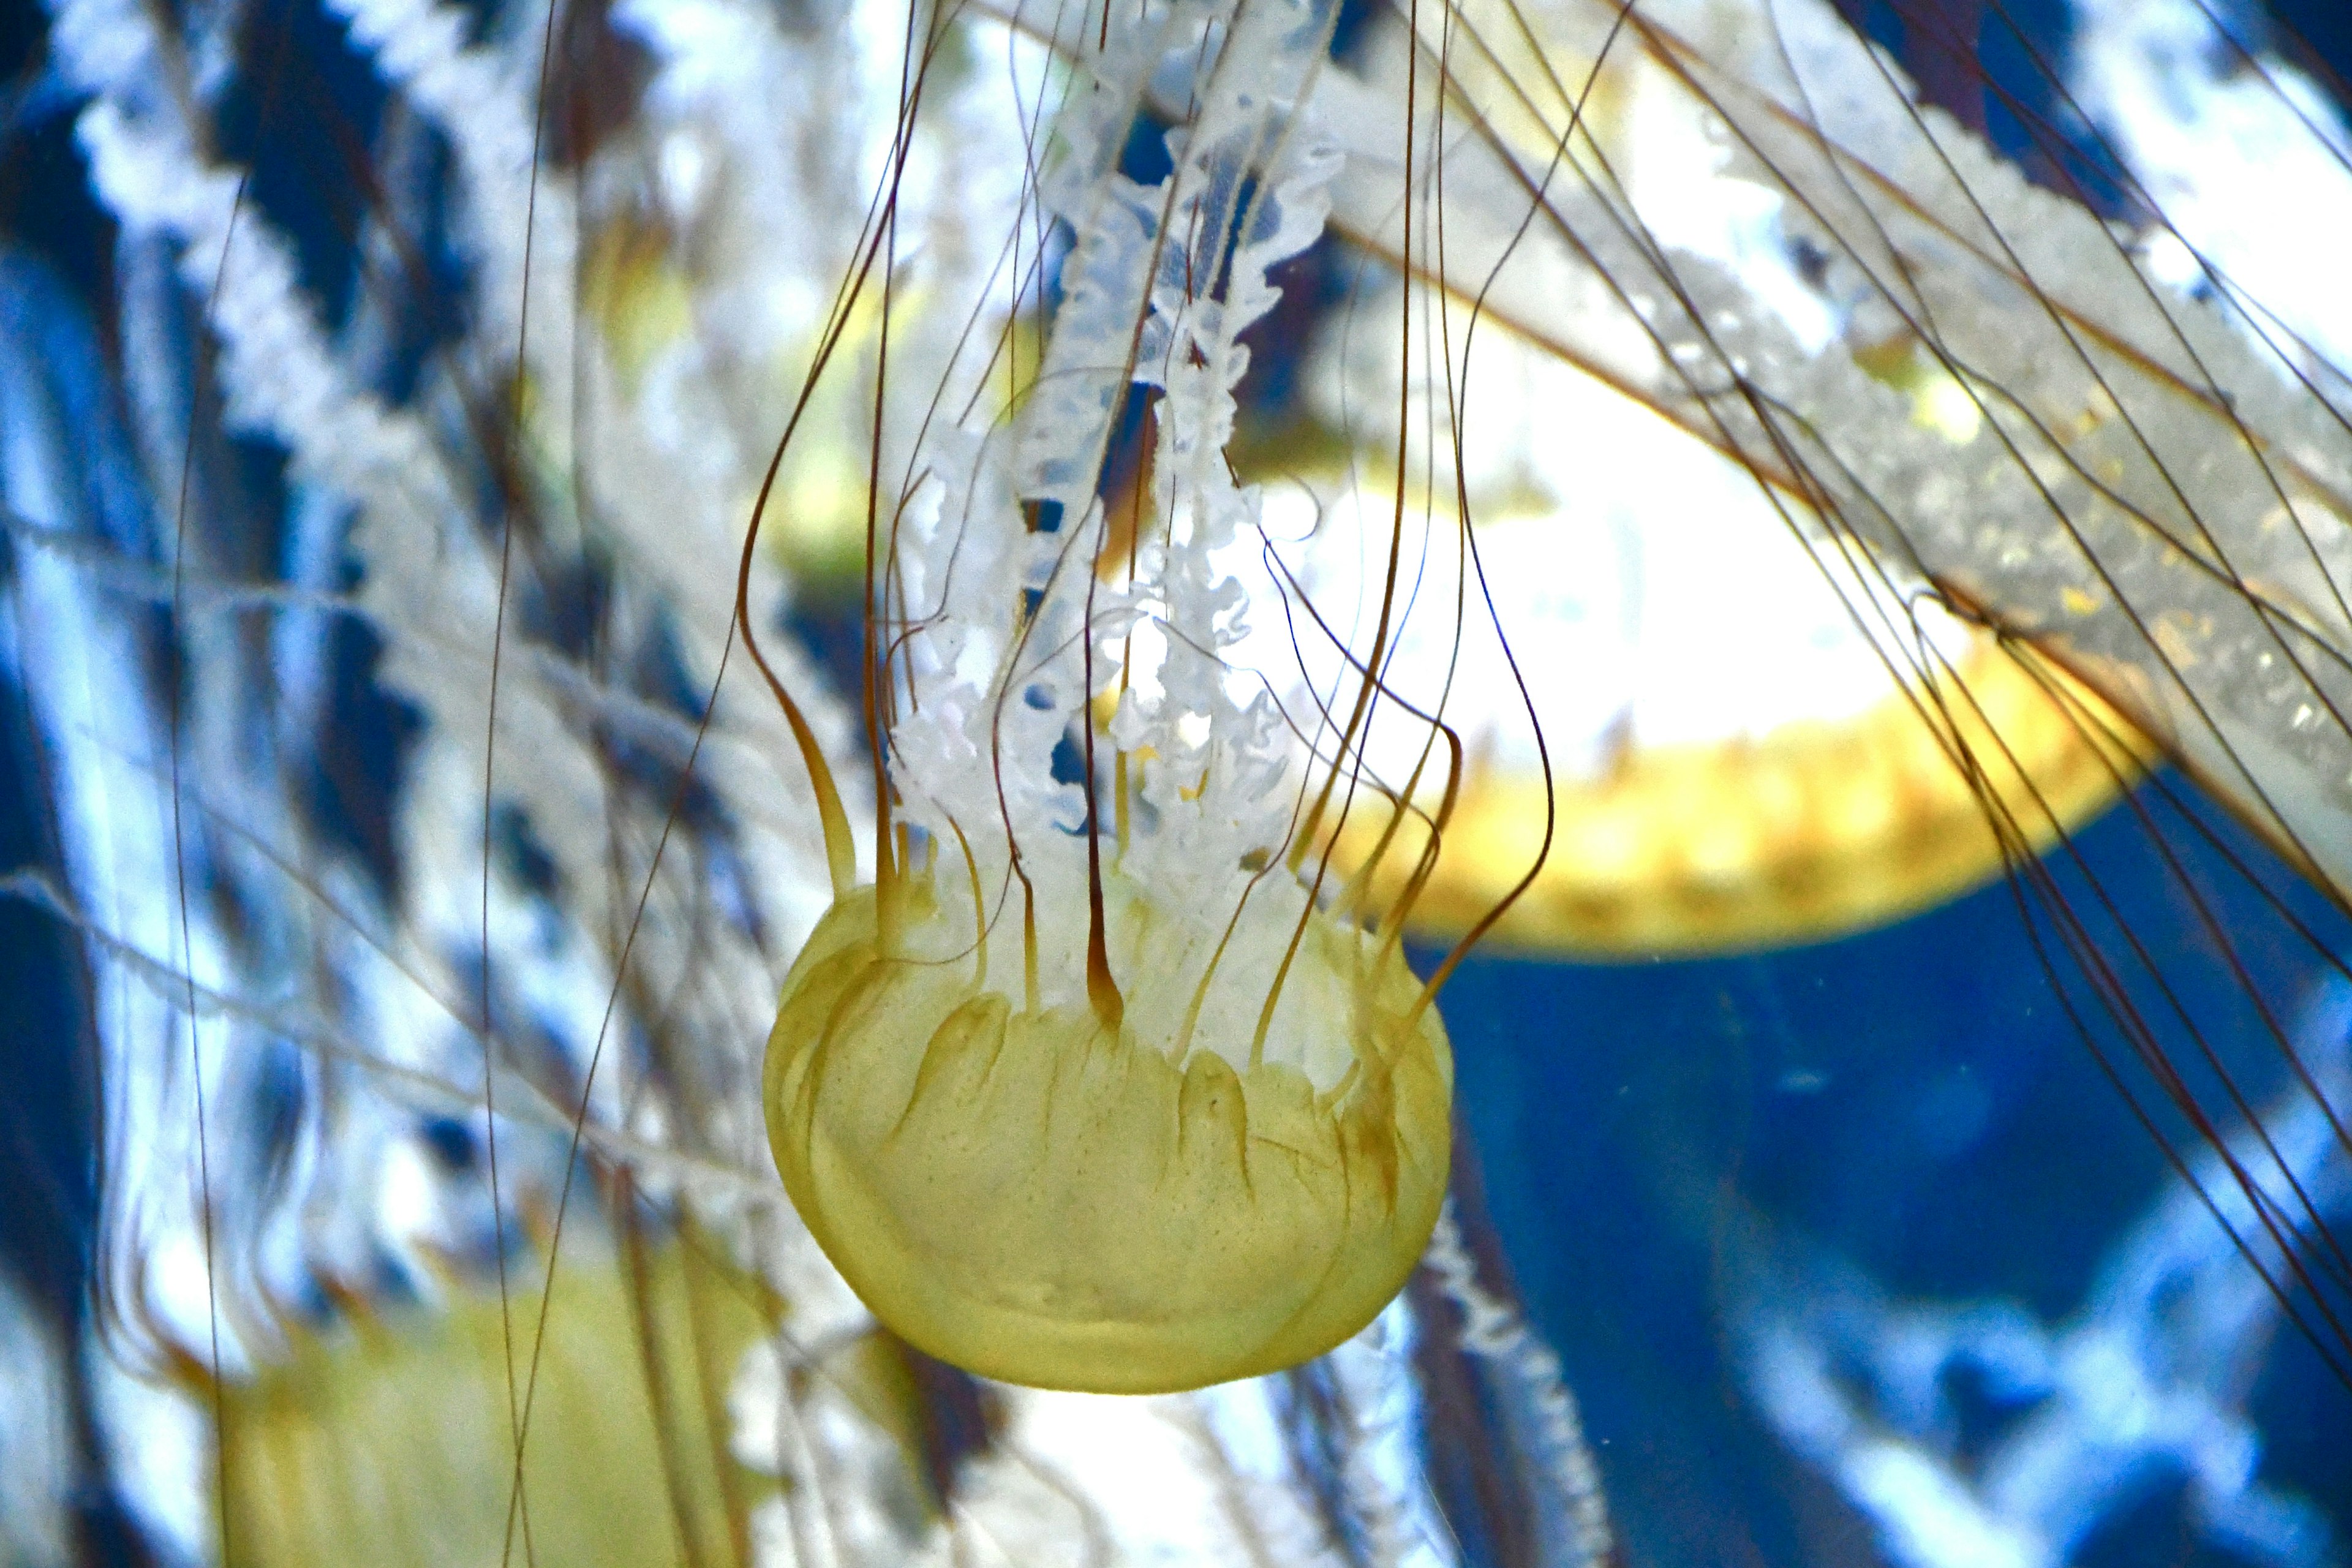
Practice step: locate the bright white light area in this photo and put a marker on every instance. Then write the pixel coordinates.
(2248, 164)
(1672, 158)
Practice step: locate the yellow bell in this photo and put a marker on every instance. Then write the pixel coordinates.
(1044, 1198)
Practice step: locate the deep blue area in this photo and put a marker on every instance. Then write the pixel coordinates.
(44, 1100)
(1910, 1098)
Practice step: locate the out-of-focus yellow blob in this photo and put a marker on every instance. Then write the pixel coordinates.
(390, 1445)
(1046, 1199)
(1811, 831)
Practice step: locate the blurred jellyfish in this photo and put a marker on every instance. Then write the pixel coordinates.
(1948, 383)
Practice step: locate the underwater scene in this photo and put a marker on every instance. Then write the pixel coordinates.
(1465, 784)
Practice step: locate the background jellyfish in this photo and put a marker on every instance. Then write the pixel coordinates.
(1779, 390)
(340, 1173)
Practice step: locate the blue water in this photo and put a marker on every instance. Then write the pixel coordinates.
(1911, 1099)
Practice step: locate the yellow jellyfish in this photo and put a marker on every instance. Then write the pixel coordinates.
(341, 1429)
(1867, 752)
(1146, 1103)
(1971, 415)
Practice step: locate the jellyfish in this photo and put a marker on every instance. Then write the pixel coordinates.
(1900, 375)
(1146, 1103)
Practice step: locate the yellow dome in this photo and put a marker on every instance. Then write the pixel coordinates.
(1044, 1199)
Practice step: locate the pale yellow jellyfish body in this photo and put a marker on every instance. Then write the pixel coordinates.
(330, 1442)
(1047, 1195)
(1822, 794)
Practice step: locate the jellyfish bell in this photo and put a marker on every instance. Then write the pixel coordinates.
(1766, 724)
(1045, 1194)
(1976, 382)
